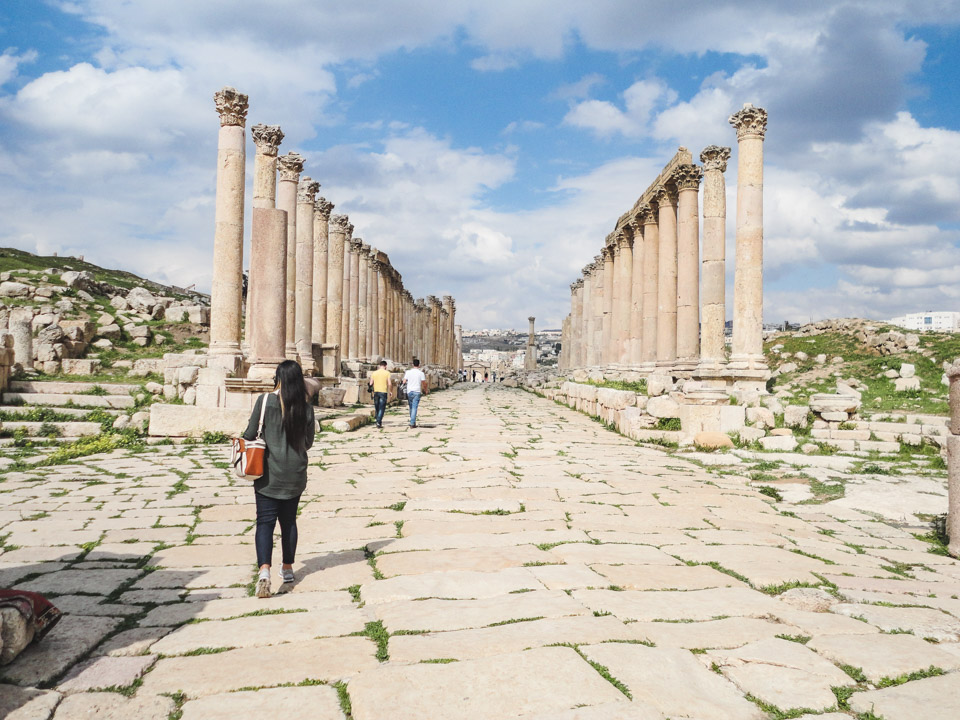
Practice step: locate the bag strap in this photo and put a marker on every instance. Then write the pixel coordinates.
(263, 410)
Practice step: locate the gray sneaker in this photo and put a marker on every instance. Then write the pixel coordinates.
(286, 576)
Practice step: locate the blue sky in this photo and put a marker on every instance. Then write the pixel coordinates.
(489, 147)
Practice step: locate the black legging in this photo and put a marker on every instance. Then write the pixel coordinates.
(269, 510)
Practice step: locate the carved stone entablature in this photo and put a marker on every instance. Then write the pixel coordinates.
(323, 207)
(340, 223)
(232, 106)
(715, 157)
(267, 138)
(750, 122)
(667, 195)
(307, 189)
(687, 177)
(290, 166)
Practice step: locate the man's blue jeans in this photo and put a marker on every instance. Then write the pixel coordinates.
(413, 398)
(380, 405)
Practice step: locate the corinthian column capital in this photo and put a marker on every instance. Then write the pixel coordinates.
(290, 166)
(666, 195)
(323, 207)
(356, 243)
(750, 122)
(715, 157)
(267, 138)
(232, 106)
(340, 222)
(307, 189)
(687, 177)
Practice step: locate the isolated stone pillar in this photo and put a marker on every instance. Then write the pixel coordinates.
(667, 280)
(687, 178)
(337, 232)
(635, 342)
(625, 283)
(713, 309)
(353, 340)
(304, 295)
(953, 461)
(289, 167)
(608, 294)
(321, 260)
(347, 310)
(363, 261)
(651, 285)
(21, 327)
(530, 359)
(269, 313)
(751, 125)
(226, 295)
(267, 139)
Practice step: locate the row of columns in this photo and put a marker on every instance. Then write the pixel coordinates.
(311, 282)
(652, 301)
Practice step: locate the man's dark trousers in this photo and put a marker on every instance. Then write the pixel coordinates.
(380, 405)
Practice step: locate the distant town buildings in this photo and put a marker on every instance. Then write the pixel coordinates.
(943, 321)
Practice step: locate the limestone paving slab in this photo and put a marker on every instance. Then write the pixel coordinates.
(189, 556)
(881, 656)
(17, 703)
(113, 706)
(674, 682)
(606, 711)
(678, 605)
(934, 697)
(105, 672)
(730, 632)
(130, 642)
(329, 659)
(198, 577)
(177, 614)
(922, 622)
(453, 584)
(97, 582)
(657, 577)
(291, 703)
(477, 559)
(544, 680)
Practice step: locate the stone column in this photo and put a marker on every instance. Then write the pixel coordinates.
(338, 230)
(530, 359)
(651, 285)
(226, 295)
(576, 323)
(363, 263)
(21, 327)
(713, 309)
(667, 281)
(624, 270)
(594, 303)
(373, 295)
(606, 356)
(269, 314)
(459, 347)
(321, 254)
(586, 313)
(751, 125)
(267, 139)
(353, 340)
(383, 332)
(447, 351)
(953, 461)
(635, 343)
(306, 196)
(289, 167)
(345, 306)
(687, 178)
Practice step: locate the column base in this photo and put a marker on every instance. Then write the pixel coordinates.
(290, 350)
(263, 368)
(748, 379)
(225, 347)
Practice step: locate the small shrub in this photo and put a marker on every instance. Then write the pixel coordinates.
(672, 424)
(770, 492)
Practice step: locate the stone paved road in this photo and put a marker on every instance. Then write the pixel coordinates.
(509, 559)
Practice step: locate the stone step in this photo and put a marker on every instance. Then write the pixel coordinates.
(72, 412)
(55, 399)
(59, 387)
(67, 429)
(677, 436)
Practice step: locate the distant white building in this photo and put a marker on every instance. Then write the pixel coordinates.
(945, 321)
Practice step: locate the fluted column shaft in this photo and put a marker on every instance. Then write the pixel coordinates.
(304, 291)
(712, 275)
(751, 125)
(226, 295)
(688, 266)
(667, 281)
(651, 285)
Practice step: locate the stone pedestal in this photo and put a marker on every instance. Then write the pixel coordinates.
(226, 295)
(751, 124)
(303, 314)
(268, 314)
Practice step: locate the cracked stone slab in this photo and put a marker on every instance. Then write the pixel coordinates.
(330, 659)
(657, 577)
(113, 706)
(188, 556)
(179, 613)
(65, 582)
(131, 642)
(674, 682)
(475, 559)
(922, 622)
(289, 703)
(544, 680)
(670, 605)
(881, 656)
(936, 697)
(454, 584)
(198, 577)
(105, 672)
(18, 703)
(606, 711)
(727, 633)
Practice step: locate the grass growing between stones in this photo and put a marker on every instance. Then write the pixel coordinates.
(346, 707)
(932, 671)
(776, 713)
(378, 633)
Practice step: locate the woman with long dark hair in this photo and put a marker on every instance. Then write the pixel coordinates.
(288, 430)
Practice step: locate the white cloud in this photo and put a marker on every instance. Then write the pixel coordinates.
(494, 63)
(580, 89)
(9, 63)
(639, 100)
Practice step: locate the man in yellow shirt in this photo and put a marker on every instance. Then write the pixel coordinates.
(381, 382)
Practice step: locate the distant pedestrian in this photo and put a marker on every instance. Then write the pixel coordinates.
(486, 377)
(416, 385)
(381, 382)
(288, 430)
